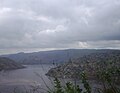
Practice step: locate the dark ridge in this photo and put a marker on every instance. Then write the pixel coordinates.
(53, 56)
(8, 64)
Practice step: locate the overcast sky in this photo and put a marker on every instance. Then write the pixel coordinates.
(35, 25)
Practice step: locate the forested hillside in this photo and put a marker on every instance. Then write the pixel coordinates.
(90, 64)
(54, 56)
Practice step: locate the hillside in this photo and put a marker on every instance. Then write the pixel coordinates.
(90, 64)
(8, 64)
(54, 56)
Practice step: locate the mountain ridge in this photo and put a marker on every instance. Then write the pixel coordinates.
(52, 56)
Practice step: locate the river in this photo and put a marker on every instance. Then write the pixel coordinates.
(29, 78)
(25, 79)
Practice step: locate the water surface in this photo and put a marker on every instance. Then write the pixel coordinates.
(32, 75)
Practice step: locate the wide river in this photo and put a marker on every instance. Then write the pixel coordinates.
(30, 78)
(25, 79)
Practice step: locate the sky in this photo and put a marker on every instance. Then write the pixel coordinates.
(37, 25)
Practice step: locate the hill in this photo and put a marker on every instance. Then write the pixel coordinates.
(54, 56)
(8, 64)
(90, 64)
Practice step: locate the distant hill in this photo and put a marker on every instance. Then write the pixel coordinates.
(54, 56)
(8, 64)
(89, 63)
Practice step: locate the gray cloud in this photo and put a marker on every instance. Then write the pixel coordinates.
(59, 24)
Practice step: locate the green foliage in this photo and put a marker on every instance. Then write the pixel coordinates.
(70, 87)
(58, 87)
(109, 76)
(85, 83)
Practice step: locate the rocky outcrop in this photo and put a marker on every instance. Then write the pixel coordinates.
(8, 64)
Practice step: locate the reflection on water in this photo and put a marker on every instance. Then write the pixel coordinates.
(31, 75)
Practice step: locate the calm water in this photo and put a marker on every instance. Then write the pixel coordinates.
(28, 78)
(32, 75)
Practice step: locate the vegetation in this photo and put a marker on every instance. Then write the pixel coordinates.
(108, 77)
(102, 67)
(89, 63)
(54, 56)
(105, 76)
(8, 64)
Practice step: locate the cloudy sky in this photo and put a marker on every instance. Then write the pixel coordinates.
(34, 25)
